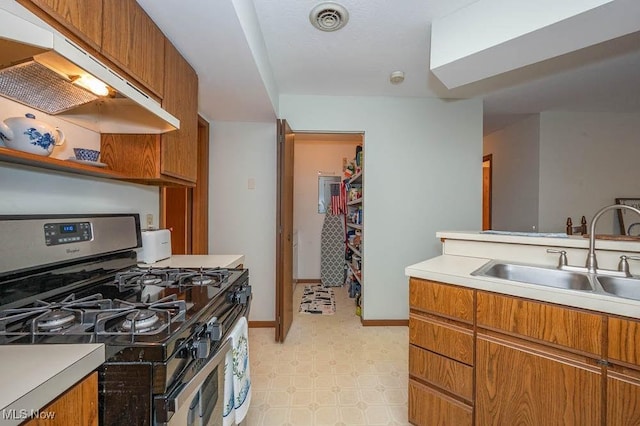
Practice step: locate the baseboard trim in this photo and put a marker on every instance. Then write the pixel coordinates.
(308, 281)
(385, 323)
(262, 324)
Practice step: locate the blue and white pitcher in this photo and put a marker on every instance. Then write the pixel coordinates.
(30, 135)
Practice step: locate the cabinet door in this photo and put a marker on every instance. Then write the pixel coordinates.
(133, 41)
(83, 18)
(522, 385)
(76, 407)
(623, 399)
(136, 156)
(179, 154)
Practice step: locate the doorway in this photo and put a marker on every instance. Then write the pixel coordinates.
(487, 161)
(298, 202)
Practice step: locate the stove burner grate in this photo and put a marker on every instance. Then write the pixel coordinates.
(139, 277)
(134, 319)
(201, 277)
(55, 320)
(171, 277)
(140, 321)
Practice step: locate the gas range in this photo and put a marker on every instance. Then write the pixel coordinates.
(141, 305)
(160, 326)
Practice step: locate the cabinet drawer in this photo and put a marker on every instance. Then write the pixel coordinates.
(624, 340)
(447, 300)
(557, 325)
(428, 407)
(450, 375)
(443, 338)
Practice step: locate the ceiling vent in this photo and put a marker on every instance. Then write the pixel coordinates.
(329, 16)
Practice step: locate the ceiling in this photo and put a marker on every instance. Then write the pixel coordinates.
(247, 52)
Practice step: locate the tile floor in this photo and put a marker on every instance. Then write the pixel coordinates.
(330, 371)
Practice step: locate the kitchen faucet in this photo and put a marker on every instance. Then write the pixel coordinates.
(591, 265)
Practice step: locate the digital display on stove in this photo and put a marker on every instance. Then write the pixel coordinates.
(67, 229)
(65, 233)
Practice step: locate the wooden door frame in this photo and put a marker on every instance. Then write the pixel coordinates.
(279, 242)
(200, 200)
(489, 158)
(284, 231)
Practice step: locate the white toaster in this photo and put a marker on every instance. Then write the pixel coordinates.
(156, 245)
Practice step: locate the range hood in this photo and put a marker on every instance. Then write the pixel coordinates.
(38, 67)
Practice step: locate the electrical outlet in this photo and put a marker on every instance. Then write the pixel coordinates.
(149, 221)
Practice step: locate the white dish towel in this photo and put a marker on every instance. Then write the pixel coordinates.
(237, 382)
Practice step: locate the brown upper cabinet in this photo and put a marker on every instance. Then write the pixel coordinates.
(170, 158)
(118, 31)
(80, 18)
(179, 149)
(134, 42)
(122, 34)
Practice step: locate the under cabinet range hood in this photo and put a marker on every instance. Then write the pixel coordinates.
(40, 68)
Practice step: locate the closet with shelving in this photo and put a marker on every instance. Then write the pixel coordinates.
(353, 184)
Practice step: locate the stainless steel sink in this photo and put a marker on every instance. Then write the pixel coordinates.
(623, 287)
(540, 275)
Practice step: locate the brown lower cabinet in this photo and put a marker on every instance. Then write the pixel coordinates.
(427, 406)
(490, 359)
(78, 406)
(623, 398)
(519, 385)
(441, 354)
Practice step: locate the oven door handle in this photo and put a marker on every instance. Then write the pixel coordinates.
(172, 404)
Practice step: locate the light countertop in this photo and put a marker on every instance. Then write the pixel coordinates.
(200, 260)
(574, 241)
(457, 270)
(34, 375)
(465, 252)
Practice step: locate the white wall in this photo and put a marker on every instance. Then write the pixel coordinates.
(32, 191)
(586, 161)
(515, 164)
(242, 220)
(25, 190)
(422, 173)
(311, 157)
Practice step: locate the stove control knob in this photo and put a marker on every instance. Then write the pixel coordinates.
(200, 349)
(244, 294)
(214, 330)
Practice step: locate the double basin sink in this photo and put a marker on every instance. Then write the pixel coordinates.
(552, 277)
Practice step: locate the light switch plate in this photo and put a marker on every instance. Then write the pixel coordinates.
(251, 184)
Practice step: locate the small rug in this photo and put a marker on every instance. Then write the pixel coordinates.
(317, 299)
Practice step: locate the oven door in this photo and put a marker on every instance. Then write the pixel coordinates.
(199, 402)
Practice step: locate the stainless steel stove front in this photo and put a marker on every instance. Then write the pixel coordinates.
(199, 401)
